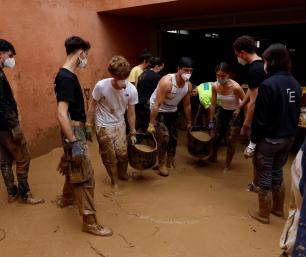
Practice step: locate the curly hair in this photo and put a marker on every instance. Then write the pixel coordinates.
(119, 66)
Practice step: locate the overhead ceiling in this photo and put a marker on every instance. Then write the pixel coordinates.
(189, 8)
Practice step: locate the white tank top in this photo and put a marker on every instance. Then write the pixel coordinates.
(172, 99)
(229, 102)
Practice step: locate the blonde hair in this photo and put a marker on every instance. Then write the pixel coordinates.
(119, 66)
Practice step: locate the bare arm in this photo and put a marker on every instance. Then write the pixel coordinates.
(131, 116)
(251, 106)
(64, 121)
(187, 105)
(91, 111)
(246, 99)
(212, 108)
(163, 89)
(238, 91)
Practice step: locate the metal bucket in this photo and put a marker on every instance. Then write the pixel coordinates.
(197, 147)
(139, 159)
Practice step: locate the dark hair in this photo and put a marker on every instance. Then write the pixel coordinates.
(6, 46)
(155, 61)
(145, 56)
(75, 43)
(225, 67)
(185, 62)
(277, 58)
(245, 43)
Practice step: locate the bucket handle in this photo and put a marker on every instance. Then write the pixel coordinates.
(152, 136)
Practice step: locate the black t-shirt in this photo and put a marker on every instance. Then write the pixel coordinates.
(256, 74)
(146, 85)
(8, 106)
(68, 89)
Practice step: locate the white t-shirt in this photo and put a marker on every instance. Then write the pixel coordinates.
(112, 103)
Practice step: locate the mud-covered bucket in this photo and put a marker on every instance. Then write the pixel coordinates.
(142, 155)
(199, 142)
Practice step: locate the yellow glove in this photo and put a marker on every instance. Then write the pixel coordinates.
(133, 138)
(151, 128)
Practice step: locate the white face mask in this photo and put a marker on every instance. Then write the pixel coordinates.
(186, 76)
(223, 82)
(121, 83)
(242, 61)
(9, 63)
(82, 63)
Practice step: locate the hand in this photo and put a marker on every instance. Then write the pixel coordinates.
(188, 126)
(249, 152)
(17, 134)
(78, 151)
(151, 128)
(245, 131)
(89, 131)
(133, 138)
(211, 125)
(236, 113)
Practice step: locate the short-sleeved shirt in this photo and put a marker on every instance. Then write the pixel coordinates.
(134, 75)
(256, 74)
(68, 89)
(146, 85)
(112, 102)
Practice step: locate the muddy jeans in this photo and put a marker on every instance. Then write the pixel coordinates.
(113, 149)
(79, 179)
(10, 151)
(269, 160)
(166, 136)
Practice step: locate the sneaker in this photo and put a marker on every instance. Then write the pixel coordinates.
(96, 229)
(30, 199)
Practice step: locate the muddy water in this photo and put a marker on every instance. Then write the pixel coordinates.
(200, 135)
(198, 211)
(144, 148)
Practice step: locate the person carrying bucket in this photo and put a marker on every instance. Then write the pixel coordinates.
(111, 98)
(228, 122)
(171, 89)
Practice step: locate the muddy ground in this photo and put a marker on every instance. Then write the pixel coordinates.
(198, 211)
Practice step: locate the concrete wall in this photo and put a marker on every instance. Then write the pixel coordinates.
(38, 28)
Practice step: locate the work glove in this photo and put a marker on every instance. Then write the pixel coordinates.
(17, 134)
(89, 131)
(211, 125)
(133, 138)
(78, 151)
(211, 128)
(249, 150)
(151, 128)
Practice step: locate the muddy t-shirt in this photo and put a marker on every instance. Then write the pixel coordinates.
(256, 74)
(112, 103)
(68, 89)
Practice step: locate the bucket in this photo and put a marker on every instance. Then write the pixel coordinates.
(199, 142)
(143, 154)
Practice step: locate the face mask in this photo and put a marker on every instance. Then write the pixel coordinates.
(82, 63)
(121, 83)
(9, 62)
(223, 81)
(186, 76)
(242, 61)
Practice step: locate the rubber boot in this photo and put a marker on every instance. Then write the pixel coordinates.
(91, 226)
(24, 191)
(170, 161)
(122, 170)
(278, 195)
(113, 174)
(263, 213)
(8, 177)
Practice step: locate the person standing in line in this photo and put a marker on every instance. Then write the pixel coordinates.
(245, 50)
(171, 89)
(13, 145)
(111, 98)
(144, 62)
(147, 83)
(228, 123)
(75, 164)
(274, 127)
